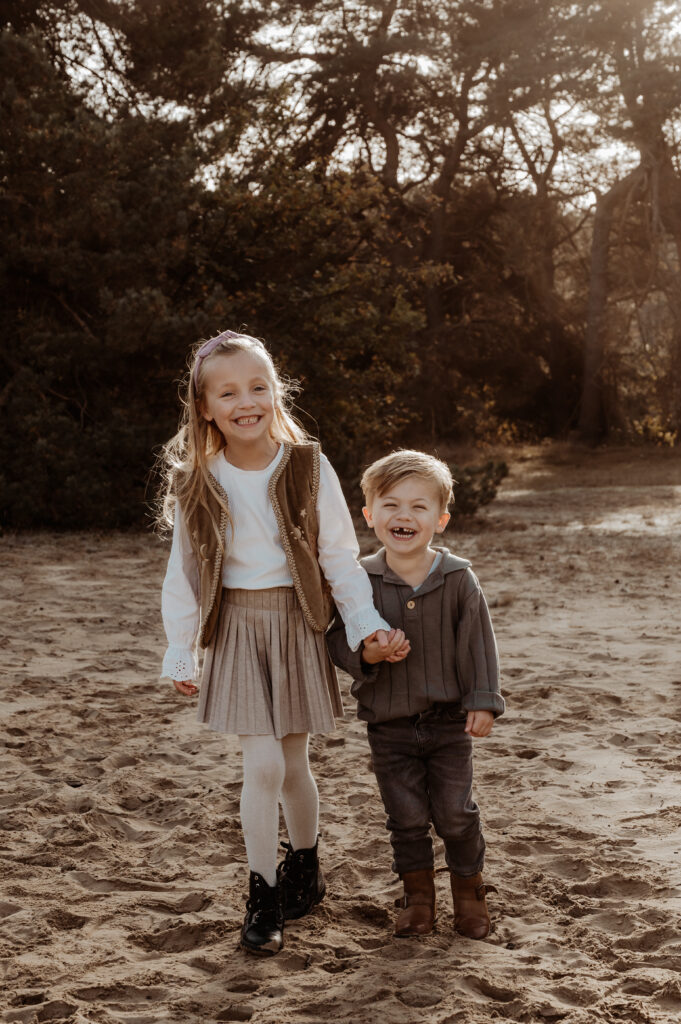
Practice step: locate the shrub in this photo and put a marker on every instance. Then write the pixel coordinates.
(475, 486)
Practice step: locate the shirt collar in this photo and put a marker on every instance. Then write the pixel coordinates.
(376, 565)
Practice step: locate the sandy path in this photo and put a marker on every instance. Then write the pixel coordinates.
(122, 864)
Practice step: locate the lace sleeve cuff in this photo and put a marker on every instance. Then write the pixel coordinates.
(361, 624)
(180, 663)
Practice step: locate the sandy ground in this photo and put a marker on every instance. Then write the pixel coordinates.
(123, 870)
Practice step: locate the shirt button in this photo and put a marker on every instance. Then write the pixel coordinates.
(411, 604)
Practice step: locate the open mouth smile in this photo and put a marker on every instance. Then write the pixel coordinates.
(247, 421)
(402, 533)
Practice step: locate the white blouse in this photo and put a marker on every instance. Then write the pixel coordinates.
(256, 560)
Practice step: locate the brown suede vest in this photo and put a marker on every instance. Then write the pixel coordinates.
(292, 490)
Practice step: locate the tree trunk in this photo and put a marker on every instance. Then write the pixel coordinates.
(592, 424)
(670, 211)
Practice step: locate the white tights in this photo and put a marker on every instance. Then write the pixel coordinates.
(276, 770)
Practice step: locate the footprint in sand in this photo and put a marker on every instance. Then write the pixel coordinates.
(119, 997)
(668, 995)
(571, 868)
(36, 686)
(64, 920)
(658, 918)
(486, 988)
(243, 985)
(337, 966)
(642, 985)
(192, 903)
(558, 764)
(357, 799)
(239, 1012)
(120, 760)
(116, 825)
(577, 995)
(53, 1009)
(371, 914)
(181, 937)
(408, 949)
(28, 998)
(92, 884)
(615, 885)
(170, 812)
(420, 997)
(619, 739)
(7, 909)
(650, 940)
(515, 849)
(369, 943)
(612, 922)
(202, 963)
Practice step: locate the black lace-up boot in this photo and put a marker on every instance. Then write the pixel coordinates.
(263, 928)
(301, 881)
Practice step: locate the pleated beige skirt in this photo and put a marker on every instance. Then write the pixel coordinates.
(266, 671)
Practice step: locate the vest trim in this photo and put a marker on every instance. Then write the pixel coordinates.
(217, 561)
(283, 533)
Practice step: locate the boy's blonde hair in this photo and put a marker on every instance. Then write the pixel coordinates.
(380, 476)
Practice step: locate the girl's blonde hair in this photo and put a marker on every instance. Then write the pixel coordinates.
(184, 459)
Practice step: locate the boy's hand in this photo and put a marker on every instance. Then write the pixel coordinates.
(186, 687)
(401, 653)
(479, 723)
(394, 648)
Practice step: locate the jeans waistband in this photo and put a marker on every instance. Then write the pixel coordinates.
(439, 709)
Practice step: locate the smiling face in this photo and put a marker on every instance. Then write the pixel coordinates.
(238, 396)
(407, 516)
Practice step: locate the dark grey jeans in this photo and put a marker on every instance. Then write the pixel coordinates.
(424, 768)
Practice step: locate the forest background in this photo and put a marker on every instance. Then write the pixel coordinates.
(448, 220)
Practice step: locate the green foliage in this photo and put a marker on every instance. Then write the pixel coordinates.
(333, 309)
(386, 193)
(92, 277)
(476, 486)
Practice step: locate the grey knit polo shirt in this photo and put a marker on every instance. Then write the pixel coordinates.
(453, 657)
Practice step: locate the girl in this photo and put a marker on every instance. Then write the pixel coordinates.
(263, 544)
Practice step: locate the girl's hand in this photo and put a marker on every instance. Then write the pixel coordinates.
(186, 687)
(479, 723)
(393, 650)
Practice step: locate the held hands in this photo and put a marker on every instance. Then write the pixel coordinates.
(185, 687)
(479, 723)
(382, 646)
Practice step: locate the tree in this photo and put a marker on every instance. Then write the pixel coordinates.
(642, 65)
(396, 195)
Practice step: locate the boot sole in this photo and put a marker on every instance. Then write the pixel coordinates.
(260, 950)
(416, 935)
(412, 935)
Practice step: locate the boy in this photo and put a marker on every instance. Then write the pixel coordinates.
(421, 712)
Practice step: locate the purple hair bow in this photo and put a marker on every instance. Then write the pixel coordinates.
(208, 347)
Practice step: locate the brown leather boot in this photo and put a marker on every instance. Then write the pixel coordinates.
(471, 917)
(417, 914)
